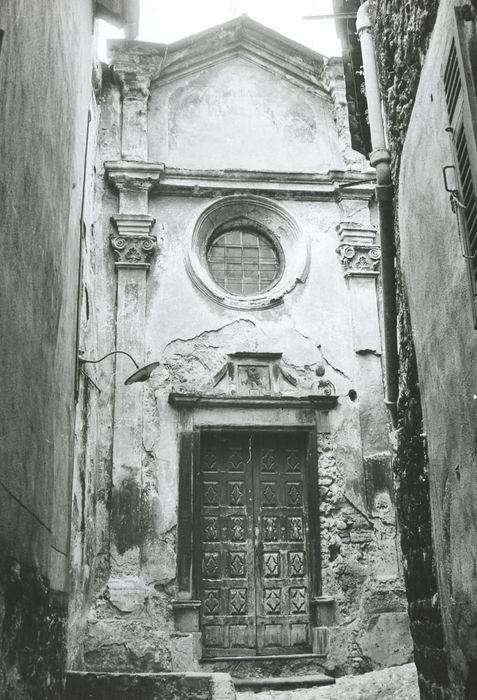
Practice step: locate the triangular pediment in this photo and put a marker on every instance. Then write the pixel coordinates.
(249, 40)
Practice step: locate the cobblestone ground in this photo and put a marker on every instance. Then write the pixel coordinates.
(396, 683)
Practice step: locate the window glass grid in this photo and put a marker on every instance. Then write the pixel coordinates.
(243, 262)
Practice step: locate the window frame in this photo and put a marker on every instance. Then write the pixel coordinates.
(260, 231)
(264, 216)
(464, 118)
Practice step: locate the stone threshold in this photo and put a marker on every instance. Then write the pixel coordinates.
(283, 683)
(270, 657)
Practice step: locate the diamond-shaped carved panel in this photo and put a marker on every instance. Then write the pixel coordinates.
(210, 565)
(271, 564)
(295, 529)
(237, 528)
(237, 564)
(294, 494)
(209, 459)
(235, 459)
(211, 529)
(211, 603)
(211, 493)
(236, 493)
(268, 460)
(270, 529)
(297, 601)
(272, 601)
(269, 494)
(293, 461)
(238, 601)
(296, 564)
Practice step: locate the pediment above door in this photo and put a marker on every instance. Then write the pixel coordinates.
(259, 379)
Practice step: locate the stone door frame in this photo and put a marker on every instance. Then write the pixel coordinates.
(308, 414)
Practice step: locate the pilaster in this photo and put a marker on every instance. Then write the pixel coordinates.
(135, 96)
(360, 257)
(133, 247)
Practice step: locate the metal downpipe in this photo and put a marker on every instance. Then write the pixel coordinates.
(380, 158)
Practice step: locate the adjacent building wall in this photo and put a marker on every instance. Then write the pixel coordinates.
(45, 71)
(429, 230)
(46, 77)
(436, 437)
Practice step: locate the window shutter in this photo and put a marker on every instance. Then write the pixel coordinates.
(461, 100)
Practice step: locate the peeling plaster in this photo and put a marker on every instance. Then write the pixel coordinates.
(335, 369)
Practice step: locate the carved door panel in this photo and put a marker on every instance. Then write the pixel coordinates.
(253, 559)
(282, 561)
(227, 552)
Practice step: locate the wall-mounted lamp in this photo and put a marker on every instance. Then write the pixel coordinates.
(140, 375)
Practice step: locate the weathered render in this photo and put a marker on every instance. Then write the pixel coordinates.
(237, 124)
(436, 439)
(46, 63)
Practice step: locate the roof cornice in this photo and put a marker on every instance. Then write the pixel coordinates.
(240, 37)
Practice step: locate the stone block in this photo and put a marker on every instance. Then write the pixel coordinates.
(319, 637)
(338, 650)
(127, 594)
(325, 611)
(186, 615)
(222, 687)
(387, 640)
(137, 686)
(182, 649)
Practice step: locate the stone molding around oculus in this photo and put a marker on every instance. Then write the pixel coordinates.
(259, 212)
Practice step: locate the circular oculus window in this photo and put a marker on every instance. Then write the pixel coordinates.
(244, 262)
(246, 252)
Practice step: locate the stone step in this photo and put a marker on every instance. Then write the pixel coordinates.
(103, 685)
(276, 666)
(282, 683)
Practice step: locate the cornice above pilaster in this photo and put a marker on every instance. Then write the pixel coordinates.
(134, 175)
(356, 234)
(133, 85)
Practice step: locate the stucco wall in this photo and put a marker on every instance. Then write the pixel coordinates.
(238, 115)
(446, 350)
(45, 71)
(326, 323)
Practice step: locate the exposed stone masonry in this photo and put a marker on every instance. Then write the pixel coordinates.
(33, 634)
(352, 540)
(402, 33)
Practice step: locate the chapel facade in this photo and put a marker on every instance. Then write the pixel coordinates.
(238, 502)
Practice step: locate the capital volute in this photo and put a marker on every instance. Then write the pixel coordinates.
(359, 259)
(133, 245)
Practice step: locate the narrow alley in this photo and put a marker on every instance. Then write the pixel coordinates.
(394, 683)
(238, 341)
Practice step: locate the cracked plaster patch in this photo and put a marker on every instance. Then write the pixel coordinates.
(191, 365)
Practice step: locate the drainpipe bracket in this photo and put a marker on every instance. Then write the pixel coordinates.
(379, 155)
(393, 411)
(363, 21)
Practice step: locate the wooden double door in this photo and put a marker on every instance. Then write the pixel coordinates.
(254, 554)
